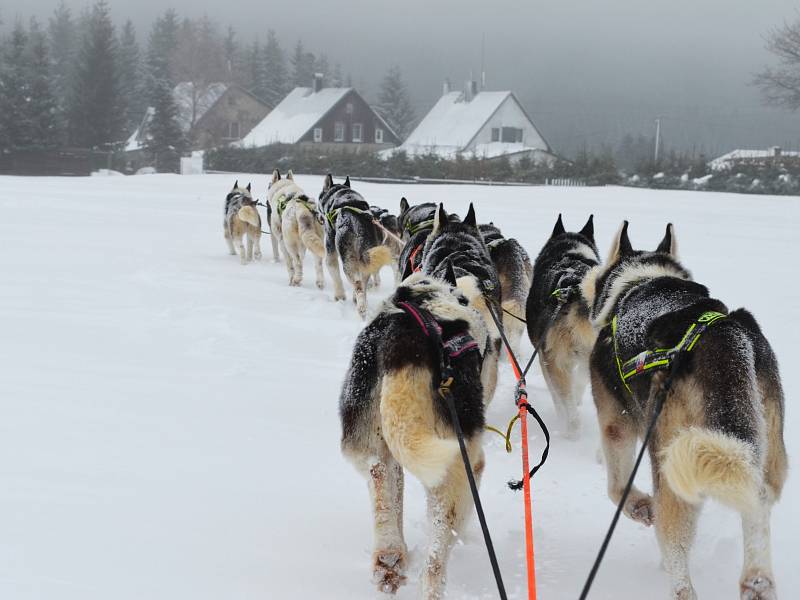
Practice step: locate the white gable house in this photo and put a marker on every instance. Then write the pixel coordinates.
(478, 124)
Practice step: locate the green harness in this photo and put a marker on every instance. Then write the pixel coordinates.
(661, 358)
(331, 216)
(283, 200)
(414, 229)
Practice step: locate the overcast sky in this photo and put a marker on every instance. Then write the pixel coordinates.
(588, 71)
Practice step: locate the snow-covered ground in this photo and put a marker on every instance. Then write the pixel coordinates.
(169, 423)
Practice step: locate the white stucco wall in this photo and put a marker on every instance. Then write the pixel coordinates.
(509, 114)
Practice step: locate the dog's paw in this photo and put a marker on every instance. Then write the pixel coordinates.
(640, 508)
(232, 252)
(757, 586)
(321, 285)
(339, 297)
(388, 571)
(684, 593)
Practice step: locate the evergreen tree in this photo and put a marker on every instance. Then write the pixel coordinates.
(130, 78)
(233, 58)
(394, 104)
(161, 49)
(337, 80)
(165, 139)
(15, 93)
(96, 108)
(257, 71)
(321, 66)
(276, 75)
(63, 41)
(302, 66)
(42, 108)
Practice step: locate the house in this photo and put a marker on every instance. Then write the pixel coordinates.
(483, 124)
(325, 118)
(214, 115)
(759, 158)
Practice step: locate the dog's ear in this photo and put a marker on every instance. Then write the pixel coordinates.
(236, 184)
(403, 205)
(328, 182)
(559, 228)
(440, 220)
(290, 175)
(669, 244)
(276, 175)
(347, 181)
(249, 187)
(470, 219)
(588, 229)
(449, 273)
(621, 246)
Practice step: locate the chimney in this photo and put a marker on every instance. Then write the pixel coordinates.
(474, 87)
(446, 87)
(470, 90)
(776, 151)
(317, 82)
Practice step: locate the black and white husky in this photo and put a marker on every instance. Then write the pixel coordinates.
(460, 243)
(558, 317)
(242, 220)
(391, 238)
(515, 272)
(393, 418)
(416, 223)
(351, 236)
(720, 434)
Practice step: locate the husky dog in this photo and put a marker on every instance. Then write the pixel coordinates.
(393, 418)
(461, 244)
(280, 192)
(515, 272)
(416, 222)
(350, 235)
(391, 234)
(721, 430)
(558, 317)
(242, 218)
(301, 228)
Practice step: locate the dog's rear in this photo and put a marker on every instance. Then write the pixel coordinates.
(242, 220)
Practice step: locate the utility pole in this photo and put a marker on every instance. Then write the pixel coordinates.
(658, 139)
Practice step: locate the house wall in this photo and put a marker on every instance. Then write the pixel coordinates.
(509, 114)
(361, 113)
(235, 106)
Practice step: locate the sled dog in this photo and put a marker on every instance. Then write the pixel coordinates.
(280, 192)
(390, 232)
(242, 219)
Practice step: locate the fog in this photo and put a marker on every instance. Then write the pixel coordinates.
(588, 72)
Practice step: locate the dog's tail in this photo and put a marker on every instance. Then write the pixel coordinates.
(310, 232)
(701, 462)
(408, 424)
(377, 257)
(249, 215)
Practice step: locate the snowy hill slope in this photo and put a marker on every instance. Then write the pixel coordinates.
(169, 418)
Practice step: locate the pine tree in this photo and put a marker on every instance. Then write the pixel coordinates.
(394, 104)
(63, 41)
(257, 70)
(15, 93)
(161, 48)
(130, 78)
(276, 75)
(321, 66)
(96, 108)
(337, 80)
(43, 111)
(233, 58)
(302, 66)
(165, 139)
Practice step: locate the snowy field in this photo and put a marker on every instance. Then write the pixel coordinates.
(169, 422)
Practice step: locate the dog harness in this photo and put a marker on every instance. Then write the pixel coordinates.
(414, 229)
(448, 348)
(661, 358)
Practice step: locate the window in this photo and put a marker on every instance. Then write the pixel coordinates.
(512, 135)
(338, 132)
(317, 134)
(233, 130)
(349, 108)
(378, 135)
(495, 134)
(357, 132)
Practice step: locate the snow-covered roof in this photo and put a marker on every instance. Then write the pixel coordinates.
(185, 101)
(453, 122)
(294, 116)
(724, 161)
(183, 96)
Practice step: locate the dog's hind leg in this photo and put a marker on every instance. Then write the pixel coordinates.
(489, 369)
(332, 262)
(558, 368)
(618, 437)
(240, 248)
(229, 239)
(757, 581)
(675, 522)
(449, 505)
(257, 245)
(389, 557)
(320, 272)
(250, 245)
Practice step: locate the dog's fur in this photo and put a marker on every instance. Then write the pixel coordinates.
(461, 243)
(393, 418)
(392, 225)
(721, 430)
(515, 272)
(242, 219)
(416, 223)
(301, 229)
(351, 236)
(279, 187)
(563, 333)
